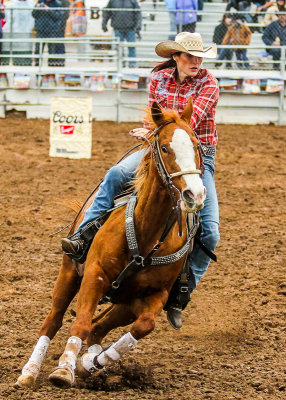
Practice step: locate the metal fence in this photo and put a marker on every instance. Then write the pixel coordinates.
(72, 39)
(244, 41)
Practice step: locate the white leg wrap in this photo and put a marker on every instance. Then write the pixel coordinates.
(87, 358)
(68, 358)
(117, 350)
(33, 366)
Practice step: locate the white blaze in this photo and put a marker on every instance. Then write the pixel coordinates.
(183, 148)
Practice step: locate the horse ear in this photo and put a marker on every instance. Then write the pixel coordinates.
(157, 113)
(188, 111)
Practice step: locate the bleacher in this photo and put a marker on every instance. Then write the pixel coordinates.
(155, 28)
(97, 52)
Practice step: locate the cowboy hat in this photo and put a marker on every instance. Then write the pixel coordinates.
(186, 42)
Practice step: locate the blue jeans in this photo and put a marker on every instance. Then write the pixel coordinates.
(129, 36)
(241, 56)
(119, 175)
(173, 26)
(225, 54)
(209, 218)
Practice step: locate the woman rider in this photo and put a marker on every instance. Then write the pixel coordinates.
(172, 83)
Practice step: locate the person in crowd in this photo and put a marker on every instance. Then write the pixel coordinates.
(19, 25)
(172, 83)
(270, 14)
(218, 36)
(200, 8)
(240, 5)
(239, 34)
(274, 35)
(79, 25)
(171, 7)
(125, 23)
(60, 47)
(2, 19)
(186, 19)
(48, 22)
(260, 6)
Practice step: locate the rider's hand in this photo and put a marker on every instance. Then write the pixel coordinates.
(139, 133)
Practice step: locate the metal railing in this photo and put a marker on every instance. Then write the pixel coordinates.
(93, 51)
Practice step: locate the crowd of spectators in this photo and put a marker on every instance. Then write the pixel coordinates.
(47, 20)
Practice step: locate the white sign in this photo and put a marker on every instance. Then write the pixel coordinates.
(70, 127)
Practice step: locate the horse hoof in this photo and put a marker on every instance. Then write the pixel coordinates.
(62, 378)
(81, 371)
(26, 382)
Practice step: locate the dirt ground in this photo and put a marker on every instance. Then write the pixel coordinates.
(232, 344)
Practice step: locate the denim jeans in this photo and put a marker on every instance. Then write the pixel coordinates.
(225, 54)
(173, 26)
(209, 218)
(241, 56)
(119, 175)
(129, 36)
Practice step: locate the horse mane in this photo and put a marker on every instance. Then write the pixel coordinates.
(143, 168)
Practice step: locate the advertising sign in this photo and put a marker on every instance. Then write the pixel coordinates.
(70, 127)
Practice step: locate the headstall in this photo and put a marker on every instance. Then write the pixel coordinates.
(167, 177)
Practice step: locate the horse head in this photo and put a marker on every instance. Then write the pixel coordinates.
(178, 155)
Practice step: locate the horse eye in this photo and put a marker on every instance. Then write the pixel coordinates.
(164, 148)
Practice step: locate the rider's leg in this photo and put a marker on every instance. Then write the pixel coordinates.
(209, 218)
(113, 184)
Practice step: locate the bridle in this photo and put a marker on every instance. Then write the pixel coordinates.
(167, 177)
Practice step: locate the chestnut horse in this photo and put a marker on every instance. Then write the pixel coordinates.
(168, 178)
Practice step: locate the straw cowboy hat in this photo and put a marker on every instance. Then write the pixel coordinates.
(186, 42)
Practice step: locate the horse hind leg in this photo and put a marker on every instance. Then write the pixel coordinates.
(65, 289)
(113, 317)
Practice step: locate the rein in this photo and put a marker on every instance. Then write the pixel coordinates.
(138, 261)
(167, 177)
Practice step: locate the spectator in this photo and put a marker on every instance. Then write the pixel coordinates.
(260, 6)
(19, 25)
(2, 19)
(200, 8)
(239, 5)
(186, 21)
(238, 33)
(60, 47)
(275, 35)
(126, 23)
(218, 36)
(79, 25)
(48, 22)
(270, 14)
(171, 6)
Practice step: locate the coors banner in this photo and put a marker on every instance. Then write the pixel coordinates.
(70, 127)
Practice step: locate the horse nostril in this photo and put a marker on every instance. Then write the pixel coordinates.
(188, 196)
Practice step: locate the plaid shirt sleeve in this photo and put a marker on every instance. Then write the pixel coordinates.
(203, 117)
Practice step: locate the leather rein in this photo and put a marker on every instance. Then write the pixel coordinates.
(137, 261)
(167, 178)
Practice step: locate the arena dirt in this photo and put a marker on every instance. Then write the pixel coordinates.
(232, 344)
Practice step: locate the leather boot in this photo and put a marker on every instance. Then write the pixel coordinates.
(174, 316)
(73, 246)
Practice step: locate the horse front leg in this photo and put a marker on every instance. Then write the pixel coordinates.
(146, 310)
(65, 289)
(115, 316)
(91, 291)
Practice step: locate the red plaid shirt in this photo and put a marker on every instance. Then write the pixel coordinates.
(204, 90)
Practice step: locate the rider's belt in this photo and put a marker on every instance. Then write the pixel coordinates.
(209, 150)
